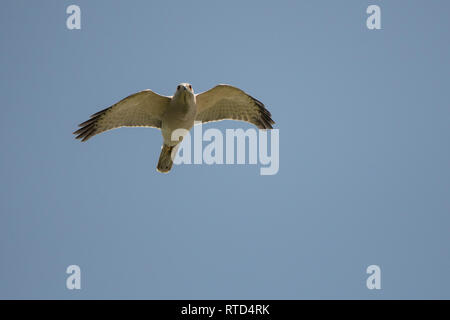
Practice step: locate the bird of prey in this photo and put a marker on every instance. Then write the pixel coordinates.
(168, 113)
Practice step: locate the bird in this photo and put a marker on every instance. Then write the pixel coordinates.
(169, 113)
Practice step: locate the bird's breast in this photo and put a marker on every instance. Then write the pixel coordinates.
(179, 115)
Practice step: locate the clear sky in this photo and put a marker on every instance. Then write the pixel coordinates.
(364, 151)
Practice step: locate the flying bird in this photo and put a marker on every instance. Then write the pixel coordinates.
(169, 113)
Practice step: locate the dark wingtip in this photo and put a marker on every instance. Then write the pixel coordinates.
(266, 120)
(88, 127)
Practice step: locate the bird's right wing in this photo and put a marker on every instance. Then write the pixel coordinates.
(227, 102)
(142, 109)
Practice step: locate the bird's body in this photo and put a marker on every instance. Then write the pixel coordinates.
(179, 115)
(180, 111)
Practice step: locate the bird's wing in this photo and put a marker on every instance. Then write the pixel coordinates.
(142, 109)
(227, 102)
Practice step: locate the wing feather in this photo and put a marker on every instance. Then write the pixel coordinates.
(227, 102)
(142, 109)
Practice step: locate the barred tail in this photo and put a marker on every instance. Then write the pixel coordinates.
(165, 159)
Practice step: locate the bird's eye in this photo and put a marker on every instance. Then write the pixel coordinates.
(190, 87)
(178, 88)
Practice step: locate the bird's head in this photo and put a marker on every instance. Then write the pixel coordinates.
(184, 90)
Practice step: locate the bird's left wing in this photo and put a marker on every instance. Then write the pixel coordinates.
(227, 102)
(142, 109)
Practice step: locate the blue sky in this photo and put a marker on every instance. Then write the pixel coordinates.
(364, 159)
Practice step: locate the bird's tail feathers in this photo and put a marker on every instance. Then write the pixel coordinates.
(165, 159)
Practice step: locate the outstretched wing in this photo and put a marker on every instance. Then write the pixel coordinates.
(227, 102)
(142, 109)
